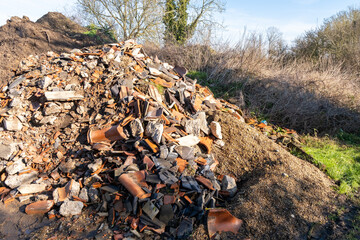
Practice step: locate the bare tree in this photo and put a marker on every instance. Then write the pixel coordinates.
(139, 19)
(183, 18)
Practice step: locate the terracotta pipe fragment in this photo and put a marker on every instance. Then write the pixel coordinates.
(132, 182)
(109, 134)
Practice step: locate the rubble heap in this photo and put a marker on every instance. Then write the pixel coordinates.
(117, 131)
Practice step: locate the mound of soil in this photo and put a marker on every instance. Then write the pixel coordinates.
(58, 22)
(20, 37)
(280, 196)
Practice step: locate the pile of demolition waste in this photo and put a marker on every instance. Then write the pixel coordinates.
(114, 130)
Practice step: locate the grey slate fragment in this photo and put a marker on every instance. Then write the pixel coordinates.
(70, 208)
(193, 127)
(67, 167)
(185, 228)
(14, 181)
(155, 131)
(94, 194)
(164, 151)
(136, 128)
(229, 184)
(167, 177)
(189, 182)
(150, 210)
(17, 81)
(185, 152)
(52, 108)
(201, 117)
(166, 213)
(110, 188)
(95, 165)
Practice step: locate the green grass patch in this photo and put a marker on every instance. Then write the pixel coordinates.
(220, 89)
(340, 157)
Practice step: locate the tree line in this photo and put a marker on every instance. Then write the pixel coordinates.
(176, 21)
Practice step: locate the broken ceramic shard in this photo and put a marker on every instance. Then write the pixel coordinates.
(40, 207)
(220, 220)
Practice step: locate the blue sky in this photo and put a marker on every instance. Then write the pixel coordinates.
(291, 17)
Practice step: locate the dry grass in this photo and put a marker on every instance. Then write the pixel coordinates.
(287, 91)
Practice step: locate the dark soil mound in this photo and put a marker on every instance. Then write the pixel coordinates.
(20, 37)
(58, 22)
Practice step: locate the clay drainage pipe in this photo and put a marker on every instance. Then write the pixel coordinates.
(108, 134)
(132, 182)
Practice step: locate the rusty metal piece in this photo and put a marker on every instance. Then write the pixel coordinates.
(40, 207)
(220, 220)
(207, 143)
(206, 182)
(108, 134)
(133, 182)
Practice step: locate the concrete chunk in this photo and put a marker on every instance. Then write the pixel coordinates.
(6, 150)
(12, 124)
(216, 129)
(63, 96)
(14, 181)
(31, 188)
(70, 208)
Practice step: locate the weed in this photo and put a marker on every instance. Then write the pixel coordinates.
(340, 157)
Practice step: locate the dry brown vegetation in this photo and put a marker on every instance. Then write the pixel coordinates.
(284, 89)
